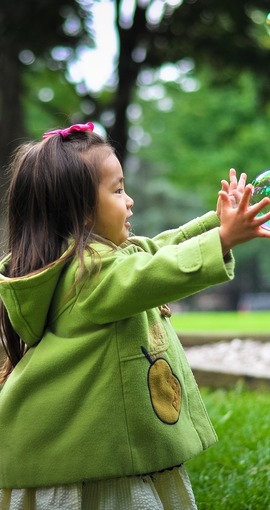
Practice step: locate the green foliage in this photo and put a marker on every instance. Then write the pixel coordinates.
(222, 124)
(40, 26)
(192, 146)
(159, 205)
(40, 115)
(205, 133)
(235, 473)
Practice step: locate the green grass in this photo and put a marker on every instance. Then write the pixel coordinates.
(234, 474)
(242, 322)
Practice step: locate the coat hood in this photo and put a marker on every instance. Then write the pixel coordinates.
(27, 299)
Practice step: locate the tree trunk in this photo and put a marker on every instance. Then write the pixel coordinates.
(128, 71)
(11, 123)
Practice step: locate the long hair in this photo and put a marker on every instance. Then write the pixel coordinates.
(52, 195)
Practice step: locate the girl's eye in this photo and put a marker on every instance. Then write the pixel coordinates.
(119, 191)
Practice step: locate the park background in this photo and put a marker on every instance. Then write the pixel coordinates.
(181, 87)
(185, 96)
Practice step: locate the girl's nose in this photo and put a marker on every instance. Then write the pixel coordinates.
(130, 202)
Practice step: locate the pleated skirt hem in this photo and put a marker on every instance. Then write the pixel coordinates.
(169, 490)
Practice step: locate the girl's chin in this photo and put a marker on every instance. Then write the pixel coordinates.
(125, 236)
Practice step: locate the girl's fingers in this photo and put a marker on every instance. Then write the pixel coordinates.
(261, 219)
(257, 208)
(225, 185)
(233, 179)
(245, 198)
(251, 212)
(237, 185)
(242, 182)
(234, 198)
(236, 188)
(224, 196)
(262, 232)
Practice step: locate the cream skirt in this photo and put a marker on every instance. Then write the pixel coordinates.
(169, 490)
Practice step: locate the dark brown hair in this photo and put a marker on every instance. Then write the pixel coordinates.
(53, 193)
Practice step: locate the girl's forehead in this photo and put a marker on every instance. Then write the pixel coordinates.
(111, 167)
(97, 156)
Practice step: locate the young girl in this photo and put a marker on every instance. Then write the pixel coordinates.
(99, 408)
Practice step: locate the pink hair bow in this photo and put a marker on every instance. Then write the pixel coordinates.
(89, 126)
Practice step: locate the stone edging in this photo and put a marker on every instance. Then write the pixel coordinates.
(223, 379)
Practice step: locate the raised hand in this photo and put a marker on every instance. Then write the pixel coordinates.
(239, 223)
(234, 188)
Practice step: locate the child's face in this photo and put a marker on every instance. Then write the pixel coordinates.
(114, 205)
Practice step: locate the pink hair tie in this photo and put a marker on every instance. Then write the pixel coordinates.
(89, 126)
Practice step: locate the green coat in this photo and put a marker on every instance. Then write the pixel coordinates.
(105, 389)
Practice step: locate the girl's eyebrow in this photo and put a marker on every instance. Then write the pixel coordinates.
(119, 180)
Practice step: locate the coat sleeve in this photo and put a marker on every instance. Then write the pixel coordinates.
(131, 280)
(175, 236)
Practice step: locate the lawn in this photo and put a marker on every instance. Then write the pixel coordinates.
(236, 322)
(234, 474)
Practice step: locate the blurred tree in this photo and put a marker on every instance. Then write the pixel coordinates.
(159, 204)
(226, 35)
(223, 37)
(29, 30)
(229, 36)
(193, 138)
(183, 144)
